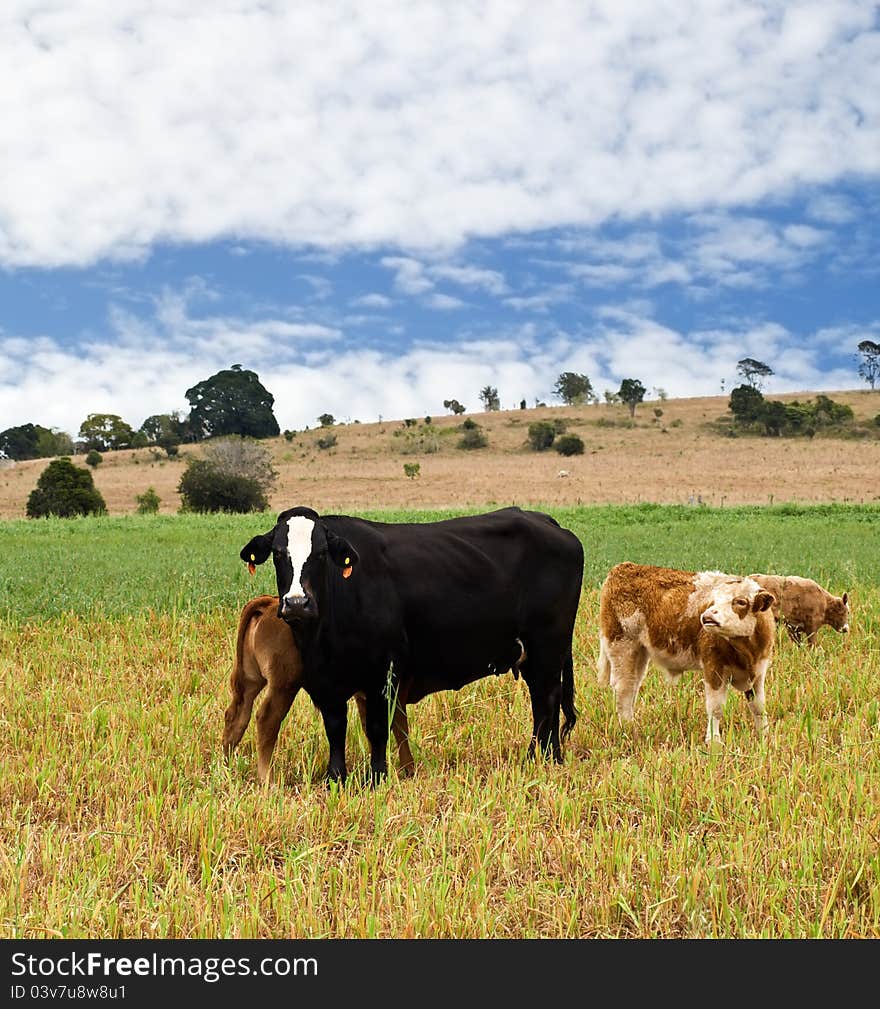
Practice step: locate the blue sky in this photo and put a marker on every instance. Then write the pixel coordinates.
(379, 207)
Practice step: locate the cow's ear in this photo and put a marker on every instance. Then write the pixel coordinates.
(763, 601)
(342, 553)
(258, 550)
(844, 597)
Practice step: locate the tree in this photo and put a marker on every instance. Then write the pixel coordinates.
(569, 444)
(631, 392)
(242, 457)
(167, 430)
(148, 502)
(32, 441)
(94, 458)
(326, 420)
(746, 404)
(203, 488)
(64, 490)
(489, 398)
(869, 366)
(233, 401)
(453, 405)
(541, 435)
(574, 389)
(105, 431)
(753, 372)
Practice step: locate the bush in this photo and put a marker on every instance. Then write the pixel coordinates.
(94, 458)
(472, 438)
(569, 444)
(411, 469)
(326, 441)
(541, 435)
(326, 420)
(205, 488)
(559, 426)
(64, 490)
(469, 425)
(148, 502)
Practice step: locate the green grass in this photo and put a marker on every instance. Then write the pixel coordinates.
(118, 818)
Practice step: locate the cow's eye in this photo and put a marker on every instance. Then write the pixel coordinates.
(739, 601)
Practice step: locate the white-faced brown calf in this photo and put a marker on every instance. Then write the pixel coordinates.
(707, 620)
(266, 654)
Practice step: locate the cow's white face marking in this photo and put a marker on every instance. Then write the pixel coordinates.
(299, 549)
(722, 617)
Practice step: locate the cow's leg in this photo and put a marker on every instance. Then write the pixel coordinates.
(400, 728)
(794, 633)
(542, 671)
(245, 686)
(376, 727)
(755, 698)
(715, 698)
(269, 718)
(811, 638)
(629, 665)
(335, 714)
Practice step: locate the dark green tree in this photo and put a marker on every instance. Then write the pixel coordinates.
(166, 430)
(631, 392)
(32, 441)
(746, 404)
(326, 420)
(753, 372)
(541, 435)
(453, 405)
(869, 366)
(574, 389)
(94, 458)
(233, 401)
(203, 488)
(105, 431)
(64, 490)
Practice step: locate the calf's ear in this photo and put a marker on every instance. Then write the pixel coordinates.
(342, 553)
(844, 597)
(763, 601)
(258, 549)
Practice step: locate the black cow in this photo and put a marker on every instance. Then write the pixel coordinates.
(409, 609)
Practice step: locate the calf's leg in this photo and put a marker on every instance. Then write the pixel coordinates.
(269, 718)
(715, 698)
(628, 665)
(244, 692)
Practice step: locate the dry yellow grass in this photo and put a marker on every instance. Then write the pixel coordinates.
(654, 461)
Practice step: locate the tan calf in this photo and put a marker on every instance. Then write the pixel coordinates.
(266, 653)
(707, 620)
(804, 606)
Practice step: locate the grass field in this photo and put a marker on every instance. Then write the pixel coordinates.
(118, 817)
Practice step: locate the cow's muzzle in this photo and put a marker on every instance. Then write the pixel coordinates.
(297, 607)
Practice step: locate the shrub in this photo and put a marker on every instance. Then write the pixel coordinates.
(569, 444)
(64, 490)
(411, 469)
(541, 435)
(469, 425)
(326, 441)
(205, 488)
(472, 438)
(94, 458)
(326, 420)
(289, 435)
(148, 502)
(559, 426)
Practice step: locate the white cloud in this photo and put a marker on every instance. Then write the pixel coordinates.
(415, 125)
(443, 302)
(372, 301)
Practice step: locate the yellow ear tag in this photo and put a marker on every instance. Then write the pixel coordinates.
(346, 572)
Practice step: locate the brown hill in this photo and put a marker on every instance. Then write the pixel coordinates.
(671, 458)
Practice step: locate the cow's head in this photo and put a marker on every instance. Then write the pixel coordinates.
(306, 553)
(837, 613)
(735, 607)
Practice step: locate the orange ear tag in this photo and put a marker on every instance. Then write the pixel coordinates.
(346, 572)
(252, 567)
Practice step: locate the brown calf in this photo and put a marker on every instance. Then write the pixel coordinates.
(718, 623)
(266, 653)
(804, 606)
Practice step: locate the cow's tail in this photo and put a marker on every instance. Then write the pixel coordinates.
(568, 708)
(603, 670)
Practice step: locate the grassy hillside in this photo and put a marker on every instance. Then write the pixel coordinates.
(673, 458)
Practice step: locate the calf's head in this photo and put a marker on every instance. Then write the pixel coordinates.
(735, 607)
(837, 613)
(305, 553)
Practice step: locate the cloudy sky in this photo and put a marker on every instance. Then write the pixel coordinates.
(380, 206)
